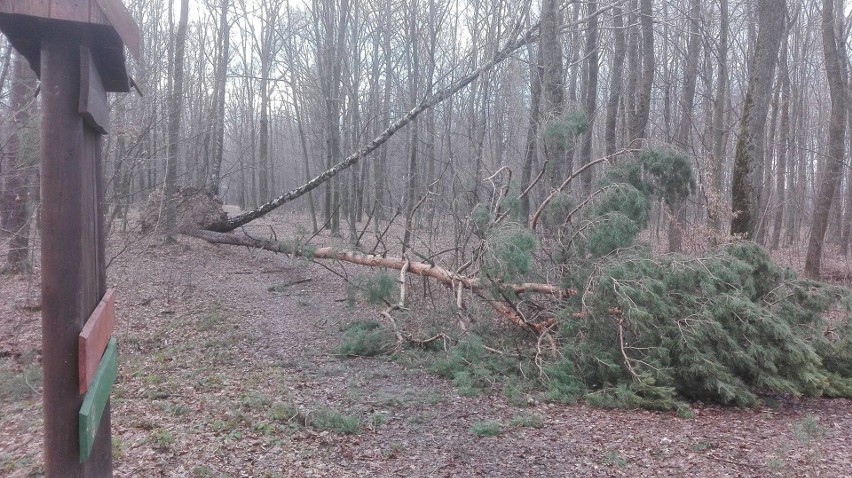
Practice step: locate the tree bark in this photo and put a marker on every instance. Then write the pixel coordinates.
(835, 67)
(221, 90)
(639, 123)
(531, 149)
(715, 207)
(21, 155)
(746, 199)
(592, 67)
(175, 110)
(690, 75)
(784, 142)
(552, 86)
(616, 80)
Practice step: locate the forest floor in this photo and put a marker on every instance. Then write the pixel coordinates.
(228, 368)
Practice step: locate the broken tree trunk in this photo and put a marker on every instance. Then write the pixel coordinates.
(440, 274)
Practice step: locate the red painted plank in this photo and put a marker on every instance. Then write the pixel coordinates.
(94, 339)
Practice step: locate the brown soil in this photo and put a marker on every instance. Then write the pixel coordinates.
(218, 376)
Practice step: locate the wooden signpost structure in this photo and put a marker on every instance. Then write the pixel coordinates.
(77, 49)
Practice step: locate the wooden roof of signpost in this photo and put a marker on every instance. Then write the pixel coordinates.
(106, 25)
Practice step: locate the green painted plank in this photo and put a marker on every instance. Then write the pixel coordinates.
(96, 399)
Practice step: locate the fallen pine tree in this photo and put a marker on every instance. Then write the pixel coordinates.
(626, 328)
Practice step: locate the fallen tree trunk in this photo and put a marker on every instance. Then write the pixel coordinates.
(440, 274)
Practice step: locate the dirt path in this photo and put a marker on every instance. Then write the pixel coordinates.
(219, 376)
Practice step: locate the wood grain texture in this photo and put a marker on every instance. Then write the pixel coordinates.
(120, 19)
(93, 104)
(70, 10)
(72, 254)
(96, 399)
(107, 24)
(94, 339)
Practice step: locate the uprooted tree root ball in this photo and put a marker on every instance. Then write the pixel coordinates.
(194, 208)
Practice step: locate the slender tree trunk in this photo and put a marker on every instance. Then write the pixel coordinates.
(746, 189)
(784, 142)
(175, 110)
(690, 75)
(592, 67)
(21, 153)
(616, 80)
(221, 90)
(531, 149)
(715, 207)
(552, 84)
(306, 163)
(835, 66)
(847, 215)
(411, 183)
(643, 95)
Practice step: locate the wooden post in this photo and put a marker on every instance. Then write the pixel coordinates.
(77, 49)
(72, 257)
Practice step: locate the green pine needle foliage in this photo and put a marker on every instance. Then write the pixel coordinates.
(669, 174)
(472, 368)
(657, 331)
(728, 328)
(563, 130)
(724, 328)
(509, 253)
(376, 289)
(366, 339)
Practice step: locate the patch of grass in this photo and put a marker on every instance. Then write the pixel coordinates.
(162, 439)
(808, 429)
(515, 392)
(20, 383)
(176, 410)
(202, 470)
(378, 419)
(421, 418)
(17, 386)
(366, 338)
(284, 412)
(117, 449)
(254, 401)
(467, 384)
(702, 445)
(154, 379)
(211, 319)
(486, 429)
(527, 420)
(394, 450)
(776, 465)
(336, 422)
(612, 458)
